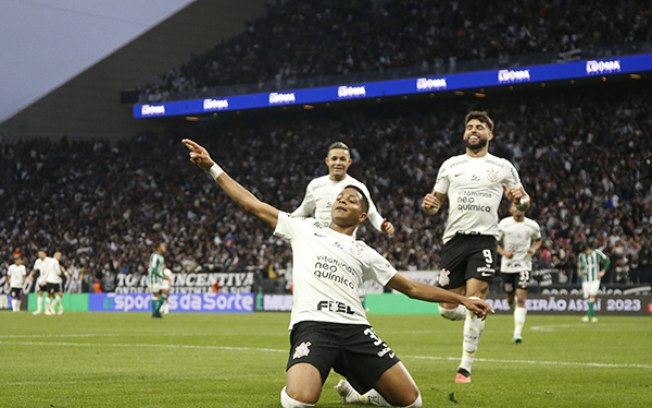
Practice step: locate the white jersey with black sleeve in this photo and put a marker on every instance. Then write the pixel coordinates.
(40, 265)
(321, 194)
(517, 238)
(329, 269)
(474, 189)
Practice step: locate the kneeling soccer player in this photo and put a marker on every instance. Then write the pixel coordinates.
(329, 328)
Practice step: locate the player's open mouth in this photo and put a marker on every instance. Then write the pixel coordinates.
(473, 138)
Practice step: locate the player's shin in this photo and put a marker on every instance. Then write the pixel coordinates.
(473, 328)
(519, 321)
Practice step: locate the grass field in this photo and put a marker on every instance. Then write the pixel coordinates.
(209, 360)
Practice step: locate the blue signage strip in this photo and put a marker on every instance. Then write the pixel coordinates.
(397, 87)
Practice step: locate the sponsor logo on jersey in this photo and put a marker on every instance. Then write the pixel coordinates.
(302, 350)
(334, 306)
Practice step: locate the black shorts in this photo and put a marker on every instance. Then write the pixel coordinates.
(469, 256)
(16, 293)
(53, 288)
(351, 350)
(519, 280)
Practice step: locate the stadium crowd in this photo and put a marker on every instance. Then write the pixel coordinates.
(584, 157)
(289, 43)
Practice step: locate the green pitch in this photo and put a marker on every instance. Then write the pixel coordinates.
(208, 360)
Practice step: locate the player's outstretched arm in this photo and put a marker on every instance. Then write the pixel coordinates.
(240, 195)
(421, 291)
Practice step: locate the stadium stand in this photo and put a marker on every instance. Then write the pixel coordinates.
(289, 48)
(584, 156)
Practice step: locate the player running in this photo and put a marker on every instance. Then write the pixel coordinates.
(520, 239)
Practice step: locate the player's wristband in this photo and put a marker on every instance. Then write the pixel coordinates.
(215, 171)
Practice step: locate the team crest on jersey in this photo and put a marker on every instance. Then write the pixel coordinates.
(493, 175)
(356, 250)
(302, 350)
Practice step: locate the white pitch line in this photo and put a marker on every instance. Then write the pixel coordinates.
(271, 350)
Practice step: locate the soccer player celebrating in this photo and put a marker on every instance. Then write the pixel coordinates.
(474, 184)
(16, 274)
(329, 328)
(321, 192)
(521, 239)
(592, 264)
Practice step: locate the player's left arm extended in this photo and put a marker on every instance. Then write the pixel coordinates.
(421, 291)
(240, 195)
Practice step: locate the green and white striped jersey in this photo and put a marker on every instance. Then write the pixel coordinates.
(155, 269)
(588, 266)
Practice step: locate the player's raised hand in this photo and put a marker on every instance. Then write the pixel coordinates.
(430, 203)
(387, 227)
(198, 154)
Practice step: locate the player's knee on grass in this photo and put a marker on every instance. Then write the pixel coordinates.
(458, 313)
(288, 402)
(416, 404)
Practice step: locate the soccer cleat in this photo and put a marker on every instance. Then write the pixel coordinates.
(594, 319)
(462, 377)
(345, 391)
(60, 312)
(585, 319)
(38, 312)
(517, 340)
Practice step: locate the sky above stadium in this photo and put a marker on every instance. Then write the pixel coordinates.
(44, 43)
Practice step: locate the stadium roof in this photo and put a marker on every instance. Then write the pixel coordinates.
(47, 42)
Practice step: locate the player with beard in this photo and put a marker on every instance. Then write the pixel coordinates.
(329, 328)
(474, 184)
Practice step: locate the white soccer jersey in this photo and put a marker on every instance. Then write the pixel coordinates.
(517, 238)
(329, 269)
(53, 271)
(16, 274)
(474, 189)
(321, 194)
(40, 265)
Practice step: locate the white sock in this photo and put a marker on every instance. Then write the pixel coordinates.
(48, 304)
(39, 303)
(15, 306)
(473, 328)
(519, 320)
(458, 313)
(288, 402)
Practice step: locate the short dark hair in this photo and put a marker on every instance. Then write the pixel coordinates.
(338, 145)
(482, 116)
(365, 200)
